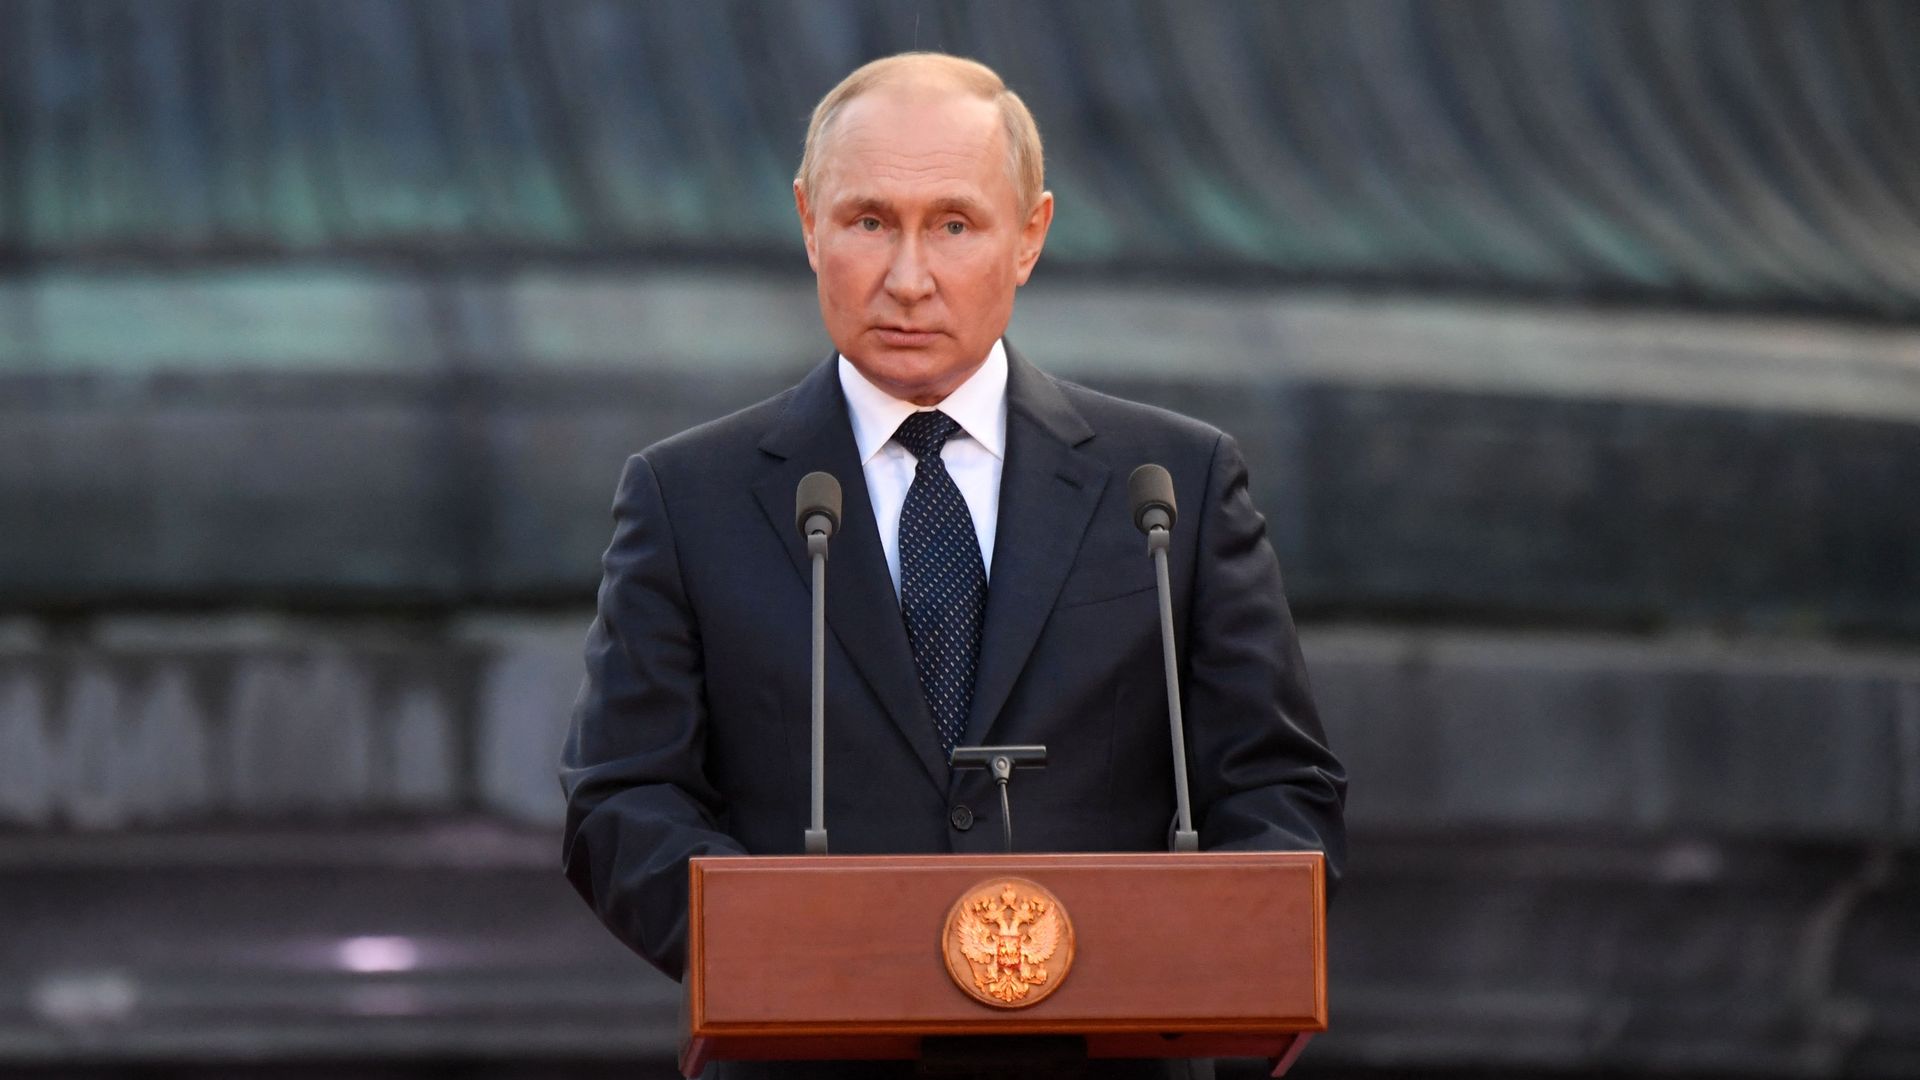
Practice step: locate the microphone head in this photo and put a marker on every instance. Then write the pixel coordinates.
(817, 496)
(1150, 488)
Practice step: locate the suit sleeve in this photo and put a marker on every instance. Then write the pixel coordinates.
(1263, 777)
(639, 803)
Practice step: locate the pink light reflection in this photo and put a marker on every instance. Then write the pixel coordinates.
(372, 955)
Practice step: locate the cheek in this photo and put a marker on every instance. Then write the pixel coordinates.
(983, 272)
(846, 275)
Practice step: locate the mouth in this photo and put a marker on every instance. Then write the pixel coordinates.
(906, 336)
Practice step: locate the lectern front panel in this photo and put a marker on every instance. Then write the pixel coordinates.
(813, 948)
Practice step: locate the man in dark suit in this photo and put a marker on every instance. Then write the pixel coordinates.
(987, 584)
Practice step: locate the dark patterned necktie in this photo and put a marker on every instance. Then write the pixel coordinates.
(943, 584)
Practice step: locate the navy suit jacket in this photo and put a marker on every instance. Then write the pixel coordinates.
(690, 736)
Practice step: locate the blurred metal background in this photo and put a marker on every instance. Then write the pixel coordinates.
(1575, 347)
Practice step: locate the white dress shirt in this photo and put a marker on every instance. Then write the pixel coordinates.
(973, 456)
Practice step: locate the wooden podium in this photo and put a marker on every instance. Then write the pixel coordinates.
(1213, 954)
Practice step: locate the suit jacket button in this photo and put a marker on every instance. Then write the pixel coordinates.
(961, 817)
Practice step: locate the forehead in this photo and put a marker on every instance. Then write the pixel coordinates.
(907, 140)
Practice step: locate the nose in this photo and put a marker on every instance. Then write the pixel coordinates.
(909, 278)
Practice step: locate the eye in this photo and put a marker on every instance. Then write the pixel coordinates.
(955, 228)
(868, 224)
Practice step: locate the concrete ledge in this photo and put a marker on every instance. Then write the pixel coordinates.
(165, 721)
(1673, 736)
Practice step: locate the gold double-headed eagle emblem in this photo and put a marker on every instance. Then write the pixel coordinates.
(1008, 943)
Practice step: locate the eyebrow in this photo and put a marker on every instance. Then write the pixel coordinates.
(950, 204)
(958, 204)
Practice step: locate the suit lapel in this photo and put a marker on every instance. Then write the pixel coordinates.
(862, 611)
(1048, 491)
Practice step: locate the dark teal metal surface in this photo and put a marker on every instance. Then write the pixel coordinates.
(1690, 152)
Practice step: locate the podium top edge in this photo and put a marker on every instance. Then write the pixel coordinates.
(1018, 862)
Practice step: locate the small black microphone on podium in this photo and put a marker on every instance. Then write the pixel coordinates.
(816, 511)
(1150, 492)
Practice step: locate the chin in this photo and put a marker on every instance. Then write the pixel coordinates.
(910, 369)
(917, 390)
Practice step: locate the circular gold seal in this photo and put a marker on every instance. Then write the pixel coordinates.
(1007, 942)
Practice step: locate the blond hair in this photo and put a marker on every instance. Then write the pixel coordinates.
(1024, 157)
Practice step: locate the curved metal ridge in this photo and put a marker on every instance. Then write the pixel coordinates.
(1727, 153)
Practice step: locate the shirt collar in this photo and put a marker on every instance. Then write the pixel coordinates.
(978, 405)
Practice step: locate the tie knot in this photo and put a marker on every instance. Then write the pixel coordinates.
(924, 433)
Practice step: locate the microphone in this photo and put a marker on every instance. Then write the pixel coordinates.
(1150, 491)
(816, 511)
(1000, 761)
(816, 506)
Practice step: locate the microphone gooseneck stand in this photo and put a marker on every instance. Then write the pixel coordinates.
(1150, 489)
(816, 511)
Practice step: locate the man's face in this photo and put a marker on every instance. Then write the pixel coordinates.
(915, 233)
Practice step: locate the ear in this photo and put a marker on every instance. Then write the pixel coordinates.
(1033, 237)
(806, 225)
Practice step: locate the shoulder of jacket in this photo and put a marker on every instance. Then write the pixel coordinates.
(1107, 412)
(701, 444)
